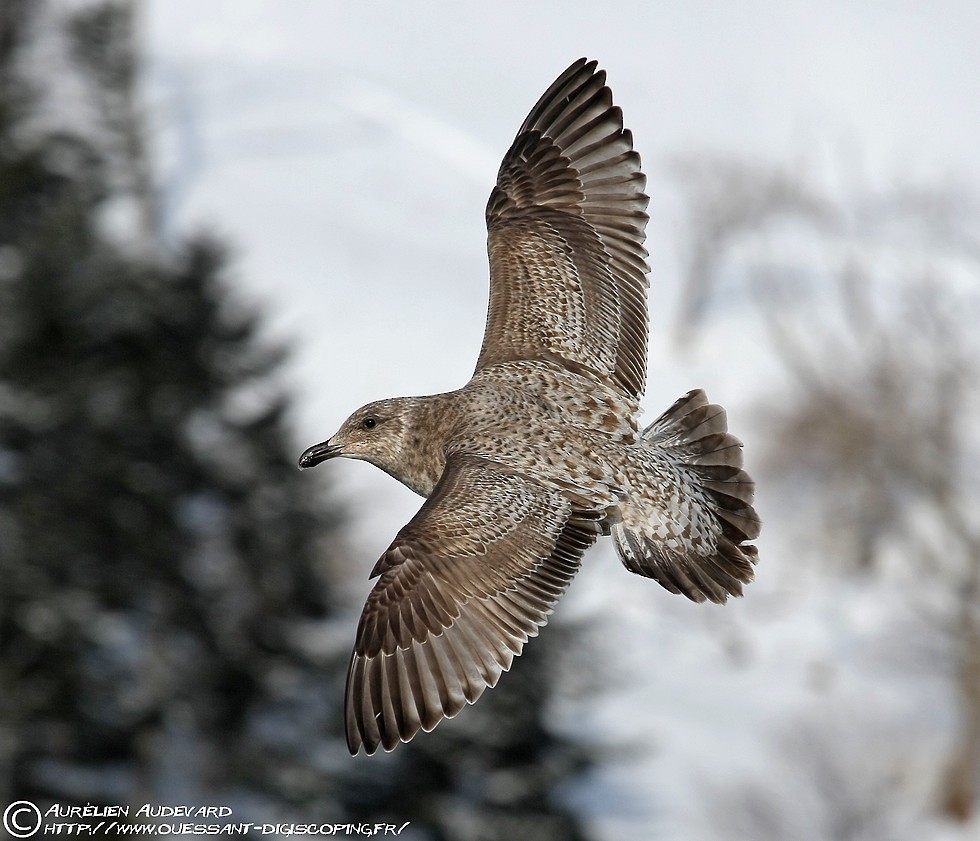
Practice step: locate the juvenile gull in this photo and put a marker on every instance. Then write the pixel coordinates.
(540, 452)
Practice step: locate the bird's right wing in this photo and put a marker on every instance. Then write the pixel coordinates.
(463, 586)
(565, 227)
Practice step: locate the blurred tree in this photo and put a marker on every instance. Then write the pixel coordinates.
(165, 598)
(158, 549)
(871, 302)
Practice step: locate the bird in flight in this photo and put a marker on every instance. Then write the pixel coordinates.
(540, 453)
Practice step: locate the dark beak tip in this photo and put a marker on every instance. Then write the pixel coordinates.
(317, 453)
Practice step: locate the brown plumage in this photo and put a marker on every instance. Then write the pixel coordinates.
(540, 452)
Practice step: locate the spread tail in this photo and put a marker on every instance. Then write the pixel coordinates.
(690, 510)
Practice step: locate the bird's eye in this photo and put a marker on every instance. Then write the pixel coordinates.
(369, 422)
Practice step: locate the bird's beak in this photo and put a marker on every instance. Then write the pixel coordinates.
(317, 453)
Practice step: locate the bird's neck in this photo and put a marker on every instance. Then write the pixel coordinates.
(422, 457)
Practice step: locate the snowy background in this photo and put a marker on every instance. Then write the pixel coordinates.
(347, 150)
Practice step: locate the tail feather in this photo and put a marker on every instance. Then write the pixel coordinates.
(690, 513)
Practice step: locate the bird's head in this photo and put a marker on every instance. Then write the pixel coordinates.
(404, 436)
(374, 433)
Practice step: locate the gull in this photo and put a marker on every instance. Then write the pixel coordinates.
(541, 452)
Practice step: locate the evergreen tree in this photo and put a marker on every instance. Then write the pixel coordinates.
(158, 547)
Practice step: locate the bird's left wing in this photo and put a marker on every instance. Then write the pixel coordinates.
(464, 585)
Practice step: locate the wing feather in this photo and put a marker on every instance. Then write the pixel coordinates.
(566, 225)
(458, 595)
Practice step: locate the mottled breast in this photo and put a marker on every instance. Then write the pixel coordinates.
(547, 422)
